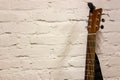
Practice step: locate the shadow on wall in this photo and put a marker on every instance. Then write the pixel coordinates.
(74, 34)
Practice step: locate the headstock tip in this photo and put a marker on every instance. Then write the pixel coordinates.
(91, 6)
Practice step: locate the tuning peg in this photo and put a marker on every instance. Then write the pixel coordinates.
(102, 27)
(103, 20)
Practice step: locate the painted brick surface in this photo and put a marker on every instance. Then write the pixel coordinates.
(46, 39)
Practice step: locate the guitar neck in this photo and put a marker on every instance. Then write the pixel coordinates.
(90, 57)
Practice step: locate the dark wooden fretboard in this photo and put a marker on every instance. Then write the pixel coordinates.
(90, 57)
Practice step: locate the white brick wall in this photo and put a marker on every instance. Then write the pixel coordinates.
(46, 39)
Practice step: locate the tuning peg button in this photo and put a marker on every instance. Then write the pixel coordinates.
(102, 27)
(103, 20)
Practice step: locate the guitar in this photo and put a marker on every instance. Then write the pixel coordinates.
(93, 27)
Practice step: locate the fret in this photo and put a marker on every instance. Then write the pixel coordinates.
(89, 67)
(91, 44)
(90, 61)
(89, 72)
(90, 55)
(89, 77)
(91, 41)
(90, 49)
(92, 65)
(91, 34)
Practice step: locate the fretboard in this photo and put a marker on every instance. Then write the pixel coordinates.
(90, 57)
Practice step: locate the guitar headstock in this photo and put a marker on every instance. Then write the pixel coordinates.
(94, 19)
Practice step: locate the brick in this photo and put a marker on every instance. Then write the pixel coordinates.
(17, 75)
(68, 50)
(25, 52)
(109, 49)
(110, 26)
(24, 5)
(6, 64)
(68, 74)
(5, 52)
(114, 15)
(47, 40)
(68, 28)
(44, 74)
(111, 69)
(114, 78)
(78, 61)
(113, 61)
(112, 38)
(41, 63)
(109, 64)
(25, 27)
(23, 41)
(8, 40)
(46, 63)
(78, 38)
(34, 51)
(10, 16)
